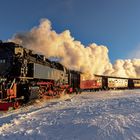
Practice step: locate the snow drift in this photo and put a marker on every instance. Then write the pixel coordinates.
(104, 115)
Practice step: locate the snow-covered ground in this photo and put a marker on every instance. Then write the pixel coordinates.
(104, 115)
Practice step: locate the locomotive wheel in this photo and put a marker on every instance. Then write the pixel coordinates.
(16, 104)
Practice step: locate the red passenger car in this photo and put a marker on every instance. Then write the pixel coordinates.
(94, 82)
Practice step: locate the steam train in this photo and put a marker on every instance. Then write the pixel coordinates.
(25, 75)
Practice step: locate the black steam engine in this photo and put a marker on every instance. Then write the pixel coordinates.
(25, 75)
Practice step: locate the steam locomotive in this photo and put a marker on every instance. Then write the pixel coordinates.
(25, 75)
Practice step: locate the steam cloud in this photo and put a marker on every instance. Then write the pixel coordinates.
(73, 54)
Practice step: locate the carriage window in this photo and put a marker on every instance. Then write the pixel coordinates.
(2, 61)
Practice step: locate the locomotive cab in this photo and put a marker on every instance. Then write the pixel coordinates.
(6, 59)
(8, 71)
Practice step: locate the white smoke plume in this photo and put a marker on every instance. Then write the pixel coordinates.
(73, 54)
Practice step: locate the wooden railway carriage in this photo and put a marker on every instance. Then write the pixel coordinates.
(136, 83)
(109, 82)
(133, 83)
(117, 83)
(88, 82)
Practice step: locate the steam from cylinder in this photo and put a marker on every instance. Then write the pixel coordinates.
(92, 59)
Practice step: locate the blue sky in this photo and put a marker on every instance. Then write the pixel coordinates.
(113, 23)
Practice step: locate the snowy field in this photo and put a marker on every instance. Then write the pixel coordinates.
(105, 115)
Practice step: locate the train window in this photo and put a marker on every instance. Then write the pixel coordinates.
(2, 61)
